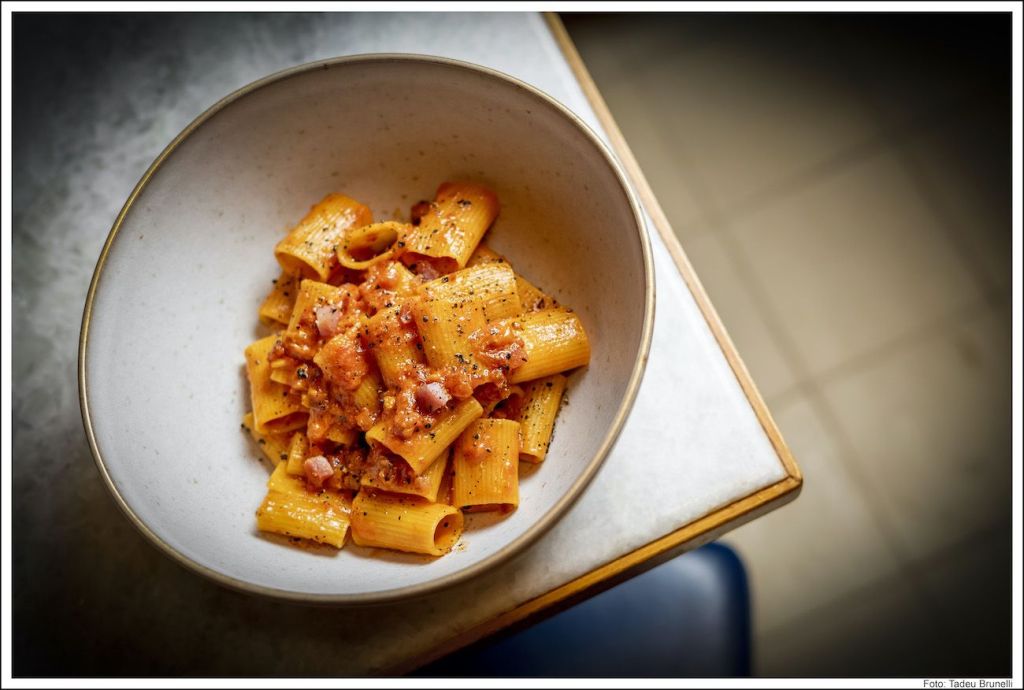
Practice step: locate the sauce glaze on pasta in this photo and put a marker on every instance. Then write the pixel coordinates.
(409, 372)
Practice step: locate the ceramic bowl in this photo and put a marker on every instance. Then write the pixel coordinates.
(176, 289)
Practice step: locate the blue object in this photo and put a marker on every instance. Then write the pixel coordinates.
(687, 617)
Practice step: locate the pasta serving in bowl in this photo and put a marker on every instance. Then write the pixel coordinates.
(410, 370)
(463, 307)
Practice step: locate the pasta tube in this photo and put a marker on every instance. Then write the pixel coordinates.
(402, 480)
(309, 248)
(286, 370)
(367, 395)
(273, 446)
(311, 294)
(421, 449)
(277, 307)
(406, 523)
(485, 255)
(444, 492)
(274, 409)
(394, 344)
(341, 434)
(452, 307)
(531, 297)
(321, 518)
(298, 451)
(444, 327)
(554, 340)
(489, 287)
(452, 227)
(294, 511)
(485, 466)
(366, 245)
(505, 396)
(541, 399)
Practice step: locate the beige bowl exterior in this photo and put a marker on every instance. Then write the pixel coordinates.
(173, 300)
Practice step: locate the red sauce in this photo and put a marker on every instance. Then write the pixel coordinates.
(343, 361)
(489, 393)
(398, 331)
(332, 343)
(407, 416)
(385, 284)
(499, 347)
(387, 469)
(303, 341)
(349, 465)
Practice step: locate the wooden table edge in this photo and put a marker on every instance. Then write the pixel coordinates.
(698, 532)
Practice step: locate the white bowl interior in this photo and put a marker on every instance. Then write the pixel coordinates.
(176, 302)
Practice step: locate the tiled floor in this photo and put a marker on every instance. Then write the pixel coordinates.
(842, 189)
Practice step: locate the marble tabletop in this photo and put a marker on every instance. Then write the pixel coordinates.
(91, 596)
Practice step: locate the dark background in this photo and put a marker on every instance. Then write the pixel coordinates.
(842, 185)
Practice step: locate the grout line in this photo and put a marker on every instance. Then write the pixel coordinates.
(854, 464)
(958, 106)
(790, 354)
(815, 173)
(806, 383)
(890, 133)
(886, 137)
(966, 253)
(934, 608)
(889, 136)
(787, 397)
(857, 363)
(839, 606)
(670, 50)
(946, 552)
(910, 570)
(913, 569)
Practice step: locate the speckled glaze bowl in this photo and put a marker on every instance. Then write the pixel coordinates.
(174, 297)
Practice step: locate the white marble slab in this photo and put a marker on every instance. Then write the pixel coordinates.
(692, 443)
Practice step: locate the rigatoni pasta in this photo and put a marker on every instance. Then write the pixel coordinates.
(395, 343)
(409, 371)
(398, 477)
(310, 249)
(405, 523)
(554, 341)
(445, 325)
(365, 246)
(292, 510)
(273, 446)
(489, 287)
(452, 225)
(485, 466)
(275, 408)
(298, 451)
(278, 305)
(531, 298)
(429, 439)
(538, 407)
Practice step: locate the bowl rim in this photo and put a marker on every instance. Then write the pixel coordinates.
(548, 519)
